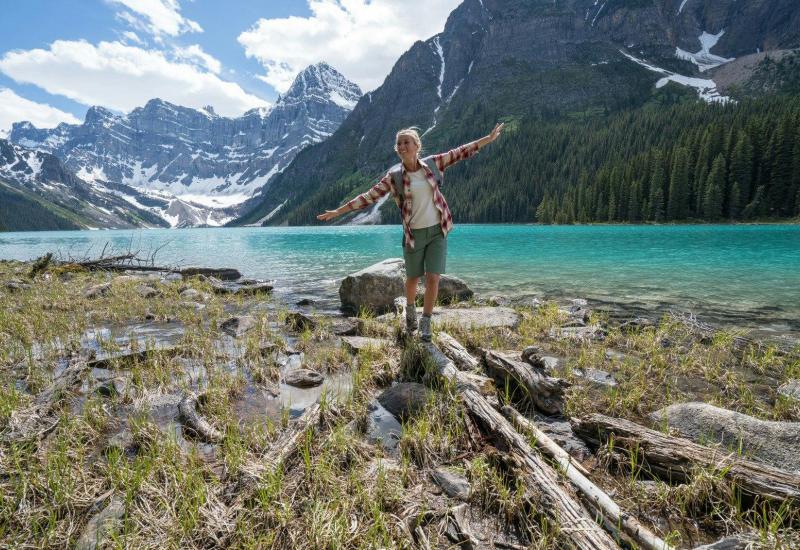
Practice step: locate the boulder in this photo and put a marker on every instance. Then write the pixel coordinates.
(300, 322)
(375, 287)
(453, 289)
(477, 317)
(404, 399)
(237, 326)
(97, 290)
(147, 291)
(224, 274)
(790, 390)
(303, 378)
(102, 525)
(454, 485)
(191, 295)
(775, 443)
(357, 343)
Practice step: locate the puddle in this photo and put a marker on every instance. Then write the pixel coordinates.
(110, 341)
(383, 427)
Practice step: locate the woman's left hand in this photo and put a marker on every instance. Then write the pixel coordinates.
(496, 132)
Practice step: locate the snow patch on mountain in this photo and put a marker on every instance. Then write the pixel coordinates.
(704, 59)
(706, 88)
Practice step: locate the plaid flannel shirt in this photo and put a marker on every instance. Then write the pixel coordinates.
(385, 186)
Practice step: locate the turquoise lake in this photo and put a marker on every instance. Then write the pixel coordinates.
(746, 275)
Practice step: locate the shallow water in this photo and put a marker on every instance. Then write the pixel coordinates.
(742, 275)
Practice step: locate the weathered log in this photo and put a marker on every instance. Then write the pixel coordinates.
(458, 353)
(560, 506)
(458, 530)
(675, 458)
(35, 421)
(195, 421)
(546, 393)
(592, 494)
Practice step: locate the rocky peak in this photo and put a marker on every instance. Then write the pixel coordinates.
(322, 82)
(98, 115)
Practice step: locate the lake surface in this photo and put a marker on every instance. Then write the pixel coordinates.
(747, 276)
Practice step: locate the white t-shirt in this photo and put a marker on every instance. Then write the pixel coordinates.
(423, 212)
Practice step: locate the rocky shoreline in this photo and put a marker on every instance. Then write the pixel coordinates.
(186, 375)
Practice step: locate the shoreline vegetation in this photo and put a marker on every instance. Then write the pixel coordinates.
(151, 409)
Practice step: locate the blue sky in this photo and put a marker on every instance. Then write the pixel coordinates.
(58, 57)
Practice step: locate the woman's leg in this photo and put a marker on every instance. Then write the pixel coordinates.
(411, 290)
(431, 292)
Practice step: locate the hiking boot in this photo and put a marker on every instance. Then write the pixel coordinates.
(425, 328)
(411, 318)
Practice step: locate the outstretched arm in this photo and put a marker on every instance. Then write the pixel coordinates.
(362, 201)
(445, 160)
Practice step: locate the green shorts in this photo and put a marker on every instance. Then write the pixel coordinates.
(429, 254)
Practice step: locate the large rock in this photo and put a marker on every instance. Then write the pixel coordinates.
(375, 287)
(454, 485)
(303, 378)
(775, 443)
(790, 390)
(477, 317)
(238, 326)
(405, 399)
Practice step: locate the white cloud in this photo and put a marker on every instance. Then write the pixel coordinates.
(360, 38)
(195, 54)
(157, 17)
(133, 37)
(122, 77)
(14, 108)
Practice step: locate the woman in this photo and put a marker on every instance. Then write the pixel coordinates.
(415, 186)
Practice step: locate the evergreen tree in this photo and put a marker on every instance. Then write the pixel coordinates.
(658, 182)
(679, 186)
(734, 202)
(742, 167)
(712, 201)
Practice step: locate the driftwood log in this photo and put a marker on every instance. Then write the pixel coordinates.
(592, 494)
(35, 421)
(458, 353)
(576, 524)
(196, 423)
(546, 393)
(675, 458)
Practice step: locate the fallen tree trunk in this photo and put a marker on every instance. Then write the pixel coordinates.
(195, 421)
(455, 351)
(546, 393)
(676, 458)
(576, 525)
(34, 421)
(592, 494)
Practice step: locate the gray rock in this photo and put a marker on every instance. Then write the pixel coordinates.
(98, 290)
(238, 326)
(300, 322)
(357, 343)
(635, 325)
(223, 273)
(113, 387)
(551, 363)
(101, 525)
(147, 291)
(191, 294)
(303, 378)
(560, 431)
(348, 326)
(775, 443)
(477, 317)
(498, 300)
(791, 389)
(123, 441)
(596, 377)
(192, 305)
(579, 334)
(404, 399)
(375, 287)
(305, 302)
(16, 286)
(454, 485)
(453, 289)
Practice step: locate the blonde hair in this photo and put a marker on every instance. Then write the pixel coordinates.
(413, 133)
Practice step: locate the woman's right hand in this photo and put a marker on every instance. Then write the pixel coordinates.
(328, 215)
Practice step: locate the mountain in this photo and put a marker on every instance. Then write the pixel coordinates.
(538, 65)
(193, 167)
(38, 192)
